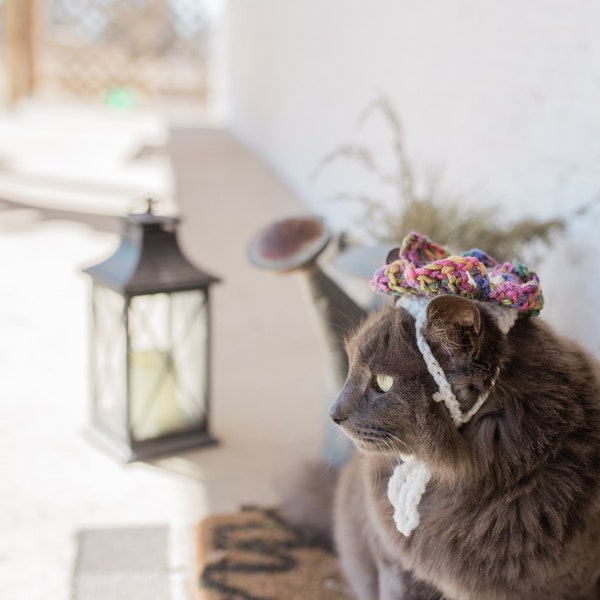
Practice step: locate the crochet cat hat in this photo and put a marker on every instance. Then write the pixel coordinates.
(421, 267)
(416, 272)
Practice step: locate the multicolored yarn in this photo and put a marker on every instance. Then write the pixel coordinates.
(424, 268)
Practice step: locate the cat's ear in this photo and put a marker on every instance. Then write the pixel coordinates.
(393, 255)
(455, 323)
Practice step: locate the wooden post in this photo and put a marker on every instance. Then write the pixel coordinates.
(19, 49)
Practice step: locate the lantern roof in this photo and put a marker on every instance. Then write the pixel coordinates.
(149, 259)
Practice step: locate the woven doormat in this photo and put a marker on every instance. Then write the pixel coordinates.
(254, 555)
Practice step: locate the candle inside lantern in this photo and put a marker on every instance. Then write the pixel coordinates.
(154, 406)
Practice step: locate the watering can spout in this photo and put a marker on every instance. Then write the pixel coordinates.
(293, 245)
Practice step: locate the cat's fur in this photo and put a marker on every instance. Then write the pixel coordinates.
(512, 511)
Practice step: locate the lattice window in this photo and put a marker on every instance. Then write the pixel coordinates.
(124, 52)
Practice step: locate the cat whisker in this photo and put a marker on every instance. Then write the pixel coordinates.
(394, 452)
(378, 434)
(377, 440)
(400, 441)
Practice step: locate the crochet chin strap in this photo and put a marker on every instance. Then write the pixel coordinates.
(407, 484)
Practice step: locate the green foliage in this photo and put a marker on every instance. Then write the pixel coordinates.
(447, 220)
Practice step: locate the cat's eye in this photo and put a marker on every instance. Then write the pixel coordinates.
(384, 382)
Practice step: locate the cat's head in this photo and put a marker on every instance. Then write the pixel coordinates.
(387, 403)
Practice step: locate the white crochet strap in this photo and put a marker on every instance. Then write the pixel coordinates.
(416, 306)
(407, 484)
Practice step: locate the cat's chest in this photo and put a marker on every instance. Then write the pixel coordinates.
(449, 527)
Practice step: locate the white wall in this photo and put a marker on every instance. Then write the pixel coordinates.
(504, 96)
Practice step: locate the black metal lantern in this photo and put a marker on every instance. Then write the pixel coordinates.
(150, 343)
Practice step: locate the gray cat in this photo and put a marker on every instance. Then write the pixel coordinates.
(510, 506)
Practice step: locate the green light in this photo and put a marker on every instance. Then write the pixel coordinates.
(119, 97)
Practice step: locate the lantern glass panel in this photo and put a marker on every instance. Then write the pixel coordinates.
(109, 361)
(168, 340)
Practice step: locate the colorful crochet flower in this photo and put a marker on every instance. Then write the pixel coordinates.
(424, 268)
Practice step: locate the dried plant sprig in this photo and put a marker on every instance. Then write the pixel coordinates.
(357, 153)
(447, 219)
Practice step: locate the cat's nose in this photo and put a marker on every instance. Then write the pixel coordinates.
(336, 415)
(338, 411)
(337, 420)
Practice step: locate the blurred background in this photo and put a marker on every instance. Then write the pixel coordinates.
(475, 123)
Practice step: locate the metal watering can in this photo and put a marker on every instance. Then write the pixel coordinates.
(294, 245)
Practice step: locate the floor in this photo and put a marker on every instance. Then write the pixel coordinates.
(59, 194)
